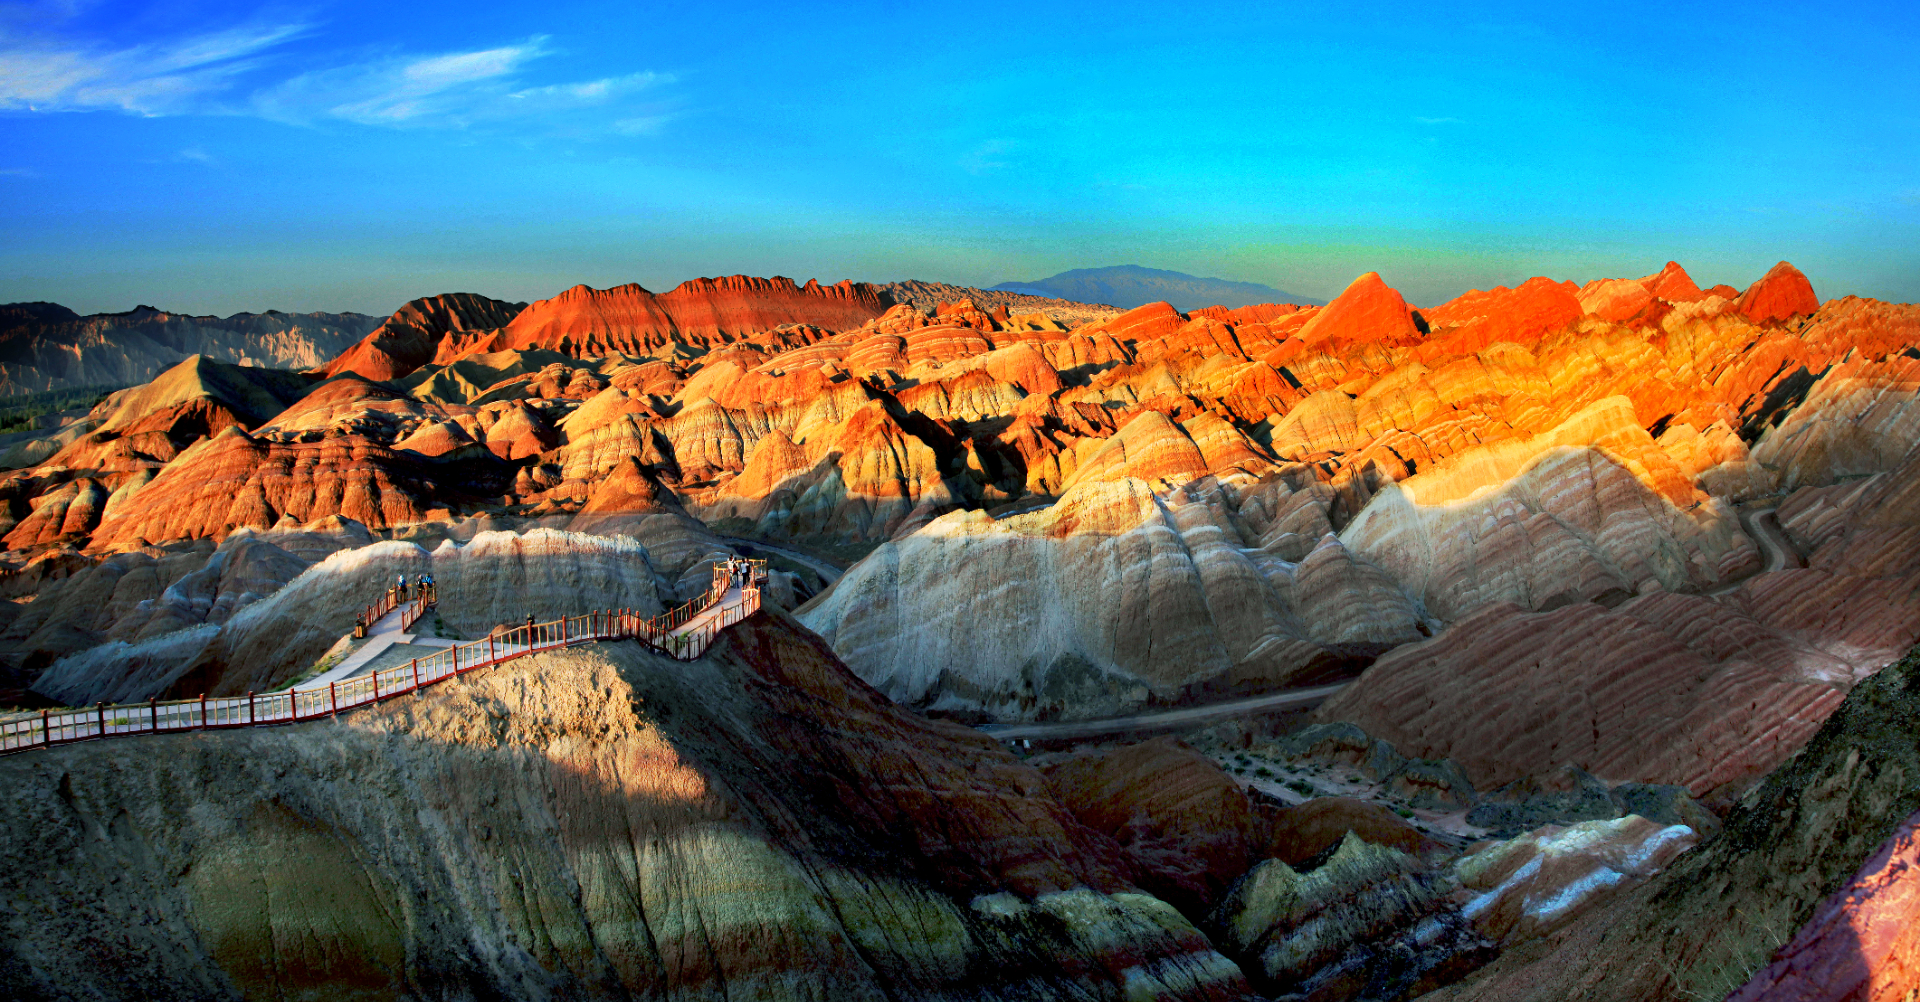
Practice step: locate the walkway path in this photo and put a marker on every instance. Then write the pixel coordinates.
(682, 633)
(385, 633)
(1184, 717)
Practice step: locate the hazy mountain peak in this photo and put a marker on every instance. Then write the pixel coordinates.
(1130, 285)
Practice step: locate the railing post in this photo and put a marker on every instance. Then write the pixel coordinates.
(333, 696)
(153, 714)
(489, 648)
(102, 707)
(203, 711)
(252, 712)
(416, 673)
(46, 731)
(563, 629)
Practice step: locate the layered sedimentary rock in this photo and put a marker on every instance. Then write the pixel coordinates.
(146, 426)
(928, 295)
(1662, 689)
(1114, 597)
(1527, 887)
(1367, 922)
(1715, 918)
(1188, 829)
(234, 480)
(1194, 504)
(44, 346)
(598, 822)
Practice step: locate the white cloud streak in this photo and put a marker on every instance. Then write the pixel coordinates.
(231, 72)
(152, 79)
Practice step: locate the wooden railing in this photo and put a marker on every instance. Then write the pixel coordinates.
(676, 633)
(415, 609)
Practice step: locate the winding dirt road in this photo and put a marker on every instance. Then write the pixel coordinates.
(1183, 717)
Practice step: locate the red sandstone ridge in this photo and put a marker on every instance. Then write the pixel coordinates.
(1672, 284)
(1369, 311)
(627, 318)
(1522, 315)
(410, 337)
(1780, 294)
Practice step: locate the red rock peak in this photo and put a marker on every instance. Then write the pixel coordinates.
(1673, 284)
(1781, 293)
(1368, 311)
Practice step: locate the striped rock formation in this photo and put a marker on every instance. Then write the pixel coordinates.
(591, 823)
(1232, 500)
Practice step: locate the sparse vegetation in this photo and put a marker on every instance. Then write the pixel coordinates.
(17, 413)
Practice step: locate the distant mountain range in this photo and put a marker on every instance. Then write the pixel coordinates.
(45, 346)
(1129, 285)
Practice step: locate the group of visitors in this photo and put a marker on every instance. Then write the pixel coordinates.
(421, 588)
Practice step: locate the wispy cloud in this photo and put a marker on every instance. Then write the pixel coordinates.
(238, 72)
(152, 79)
(17, 172)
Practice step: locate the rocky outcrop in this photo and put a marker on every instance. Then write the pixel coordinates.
(234, 480)
(1527, 887)
(1113, 598)
(44, 346)
(1303, 832)
(929, 295)
(1367, 922)
(1663, 689)
(1522, 315)
(629, 319)
(597, 822)
(496, 577)
(120, 624)
(1861, 943)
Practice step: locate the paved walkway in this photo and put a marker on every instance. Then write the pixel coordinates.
(384, 634)
(733, 599)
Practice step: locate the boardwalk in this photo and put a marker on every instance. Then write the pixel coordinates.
(683, 633)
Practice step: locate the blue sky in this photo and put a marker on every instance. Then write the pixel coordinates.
(216, 157)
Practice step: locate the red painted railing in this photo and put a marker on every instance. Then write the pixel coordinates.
(668, 633)
(414, 610)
